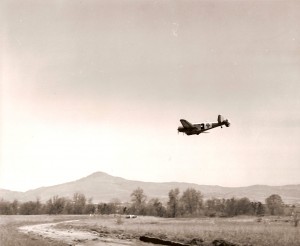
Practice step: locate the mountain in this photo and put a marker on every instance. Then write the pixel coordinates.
(9, 195)
(103, 187)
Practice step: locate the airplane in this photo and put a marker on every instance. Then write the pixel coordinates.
(192, 129)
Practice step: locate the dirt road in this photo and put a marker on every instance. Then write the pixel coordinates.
(75, 237)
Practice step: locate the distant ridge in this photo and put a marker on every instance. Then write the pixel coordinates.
(103, 187)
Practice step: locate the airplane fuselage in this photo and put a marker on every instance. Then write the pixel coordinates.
(192, 129)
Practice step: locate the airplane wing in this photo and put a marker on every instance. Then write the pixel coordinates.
(186, 124)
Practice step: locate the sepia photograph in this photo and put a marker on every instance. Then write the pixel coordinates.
(150, 122)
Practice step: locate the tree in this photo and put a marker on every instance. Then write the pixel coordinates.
(215, 206)
(138, 199)
(243, 206)
(104, 208)
(68, 208)
(49, 207)
(275, 204)
(258, 208)
(90, 208)
(231, 207)
(295, 217)
(116, 205)
(109, 208)
(79, 202)
(5, 207)
(15, 207)
(29, 208)
(173, 203)
(191, 201)
(55, 205)
(155, 208)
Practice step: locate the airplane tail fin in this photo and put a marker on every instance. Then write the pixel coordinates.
(221, 119)
(186, 124)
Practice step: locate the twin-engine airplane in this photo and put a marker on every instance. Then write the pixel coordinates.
(191, 129)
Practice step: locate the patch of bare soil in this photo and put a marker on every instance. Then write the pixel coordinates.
(52, 231)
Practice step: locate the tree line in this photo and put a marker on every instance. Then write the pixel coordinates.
(188, 204)
(191, 204)
(55, 205)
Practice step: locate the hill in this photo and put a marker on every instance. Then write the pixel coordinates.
(103, 187)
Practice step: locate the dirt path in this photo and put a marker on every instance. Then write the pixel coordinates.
(75, 237)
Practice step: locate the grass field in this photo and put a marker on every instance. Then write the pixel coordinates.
(239, 230)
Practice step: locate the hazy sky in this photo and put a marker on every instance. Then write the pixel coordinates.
(92, 86)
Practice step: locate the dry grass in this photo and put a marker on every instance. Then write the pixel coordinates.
(243, 230)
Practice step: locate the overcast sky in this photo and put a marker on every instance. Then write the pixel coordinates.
(92, 86)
